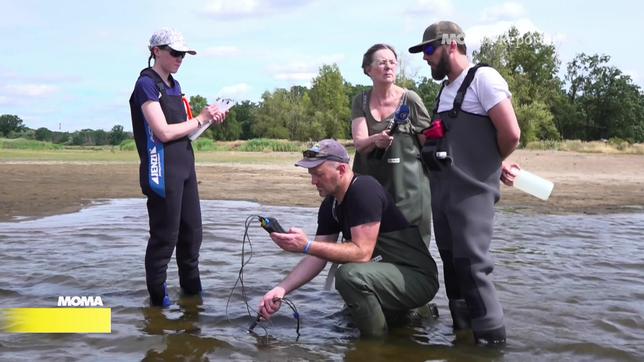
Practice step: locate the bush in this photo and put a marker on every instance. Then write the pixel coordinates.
(270, 145)
(619, 143)
(613, 145)
(205, 144)
(544, 145)
(254, 145)
(536, 123)
(127, 145)
(25, 144)
(573, 145)
(638, 148)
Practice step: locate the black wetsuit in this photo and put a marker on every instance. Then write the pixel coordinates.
(168, 179)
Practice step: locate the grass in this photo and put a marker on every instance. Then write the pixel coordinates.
(259, 151)
(268, 145)
(21, 143)
(69, 155)
(611, 146)
(106, 156)
(245, 152)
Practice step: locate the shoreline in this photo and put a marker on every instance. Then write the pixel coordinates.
(584, 184)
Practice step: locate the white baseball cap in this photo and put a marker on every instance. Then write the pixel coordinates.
(171, 38)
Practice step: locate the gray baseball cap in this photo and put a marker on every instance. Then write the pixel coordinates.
(171, 38)
(442, 30)
(325, 150)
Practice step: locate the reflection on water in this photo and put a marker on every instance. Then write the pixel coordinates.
(571, 287)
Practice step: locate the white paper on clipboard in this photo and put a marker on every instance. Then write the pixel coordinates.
(224, 104)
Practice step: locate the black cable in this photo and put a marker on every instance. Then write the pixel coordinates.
(296, 315)
(291, 305)
(240, 281)
(240, 274)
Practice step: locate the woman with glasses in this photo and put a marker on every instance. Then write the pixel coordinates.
(387, 137)
(167, 169)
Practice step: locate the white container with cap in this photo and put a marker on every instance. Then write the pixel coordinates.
(533, 184)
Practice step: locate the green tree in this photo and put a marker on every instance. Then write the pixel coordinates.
(227, 131)
(197, 104)
(567, 116)
(100, 137)
(353, 90)
(300, 124)
(610, 104)
(245, 115)
(406, 75)
(84, 137)
(10, 123)
(271, 114)
(525, 60)
(26, 133)
(77, 139)
(43, 134)
(60, 137)
(329, 104)
(428, 89)
(536, 122)
(405, 81)
(285, 114)
(530, 67)
(117, 135)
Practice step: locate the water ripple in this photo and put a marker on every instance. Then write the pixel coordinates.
(570, 285)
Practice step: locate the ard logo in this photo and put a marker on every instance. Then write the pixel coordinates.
(76, 301)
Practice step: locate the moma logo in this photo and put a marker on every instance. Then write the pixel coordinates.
(76, 301)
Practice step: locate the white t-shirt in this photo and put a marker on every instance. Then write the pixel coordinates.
(487, 89)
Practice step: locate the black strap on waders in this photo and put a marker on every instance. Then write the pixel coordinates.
(460, 94)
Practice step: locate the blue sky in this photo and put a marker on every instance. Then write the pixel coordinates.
(71, 65)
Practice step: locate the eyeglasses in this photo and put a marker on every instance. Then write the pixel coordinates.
(384, 63)
(430, 48)
(173, 53)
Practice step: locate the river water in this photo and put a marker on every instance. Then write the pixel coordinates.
(572, 288)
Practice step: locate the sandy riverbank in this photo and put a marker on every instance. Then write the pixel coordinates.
(584, 183)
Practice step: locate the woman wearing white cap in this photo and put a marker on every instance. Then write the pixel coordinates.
(167, 170)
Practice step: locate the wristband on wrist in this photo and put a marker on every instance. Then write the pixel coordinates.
(307, 247)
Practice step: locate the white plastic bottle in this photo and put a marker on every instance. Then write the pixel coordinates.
(533, 184)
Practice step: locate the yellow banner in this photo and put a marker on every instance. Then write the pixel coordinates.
(56, 320)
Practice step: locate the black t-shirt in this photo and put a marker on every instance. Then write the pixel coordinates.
(366, 201)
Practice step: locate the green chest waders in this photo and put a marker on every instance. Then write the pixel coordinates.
(465, 169)
(400, 170)
(401, 276)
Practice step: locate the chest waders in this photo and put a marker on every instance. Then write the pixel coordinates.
(167, 177)
(465, 169)
(401, 276)
(400, 171)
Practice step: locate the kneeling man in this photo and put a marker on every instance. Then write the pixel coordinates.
(386, 269)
